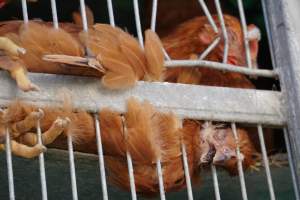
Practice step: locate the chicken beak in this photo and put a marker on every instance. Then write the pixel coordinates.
(208, 155)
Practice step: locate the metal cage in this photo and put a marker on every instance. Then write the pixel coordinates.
(258, 108)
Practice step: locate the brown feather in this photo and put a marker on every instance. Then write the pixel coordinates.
(154, 55)
(141, 141)
(134, 53)
(112, 135)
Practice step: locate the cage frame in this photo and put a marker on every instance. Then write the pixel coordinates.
(271, 108)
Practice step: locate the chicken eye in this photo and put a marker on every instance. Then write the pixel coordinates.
(226, 150)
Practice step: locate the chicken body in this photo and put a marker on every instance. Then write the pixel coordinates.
(189, 39)
(147, 134)
(103, 51)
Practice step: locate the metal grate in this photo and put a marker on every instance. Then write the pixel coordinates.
(218, 104)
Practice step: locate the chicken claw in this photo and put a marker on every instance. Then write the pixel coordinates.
(10, 48)
(19, 74)
(57, 128)
(24, 151)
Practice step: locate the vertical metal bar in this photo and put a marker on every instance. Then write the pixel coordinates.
(239, 164)
(216, 182)
(101, 159)
(131, 176)
(25, 12)
(292, 167)
(72, 168)
(160, 180)
(283, 19)
(153, 16)
(9, 166)
(245, 32)
(138, 22)
(54, 14)
(83, 15)
(208, 15)
(270, 37)
(42, 163)
(129, 165)
(167, 57)
(153, 23)
(186, 172)
(224, 31)
(266, 161)
(111, 13)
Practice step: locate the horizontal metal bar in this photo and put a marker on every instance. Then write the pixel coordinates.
(221, 66)
(187, 101)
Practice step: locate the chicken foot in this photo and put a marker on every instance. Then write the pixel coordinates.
(57, 128)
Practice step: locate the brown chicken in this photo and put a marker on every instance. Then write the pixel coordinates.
(143, 131)
(147, 134)
(191, 38)
(111, 51)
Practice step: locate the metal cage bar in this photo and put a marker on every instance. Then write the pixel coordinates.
(10, 173)
(160, 180)
(54, 14)
(224, 31)
(42, 163)
(129, 164)
(72, 168)
(111, 12)
(83, 15)
(25, 11)
(216, 182)
(210, 48)
(101, 158)
(266, 161)
(144, 88)
(138, 22)
(288, 148)
(245, 32)
(208, 15)
(224, 67)
(283, 28)
(239, 163)
(186, 172)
